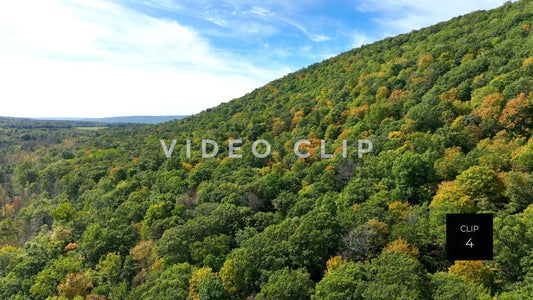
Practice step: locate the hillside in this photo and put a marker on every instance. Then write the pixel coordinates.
(449, 112)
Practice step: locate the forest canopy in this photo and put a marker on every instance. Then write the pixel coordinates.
(104, 214)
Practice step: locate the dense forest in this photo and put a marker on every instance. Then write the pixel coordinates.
(103, 214)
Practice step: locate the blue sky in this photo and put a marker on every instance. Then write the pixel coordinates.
(165, 57)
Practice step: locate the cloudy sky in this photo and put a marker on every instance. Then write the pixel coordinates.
(69, 58)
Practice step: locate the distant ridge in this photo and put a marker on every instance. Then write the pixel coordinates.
(124, 119)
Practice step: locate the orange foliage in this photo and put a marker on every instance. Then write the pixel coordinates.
(71, 247)
(343, 134)
(425, 61)
(187, 167)
(76, 284)
(419, 80)
(401, 245)
(312, 148)
(334, 263)
(490, 107)
(450, 95)
(399, 95)
(17, 202)
(527, 62)
(297, 117)
(473, 271)
(360, 111)
(517, 114)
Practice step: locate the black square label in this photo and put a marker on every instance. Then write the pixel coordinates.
(469, 236)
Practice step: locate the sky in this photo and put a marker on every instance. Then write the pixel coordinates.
(92, 58)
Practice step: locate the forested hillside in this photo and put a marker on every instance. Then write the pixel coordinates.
(104, 214)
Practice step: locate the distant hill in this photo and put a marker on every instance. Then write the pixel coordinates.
(126, 119)
(27, 123)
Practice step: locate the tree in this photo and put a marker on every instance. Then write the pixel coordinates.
(511, 243)
(212, 288)
(55, 271)
(483, 185)
(287, 284)
(109, 268)
(491, 107)
(452, 164)
(517, 116)
(232, 278)
(211, 250)
(63, 213)
(197, 277)
(396, 275)
(75, 285)
(365, 241)
(519, 191)
(98, 240)
(450, 198)
(348, 281)
(522, 159)
(449, 286)
(410, 170)
(473, 271)
(143, 255)
(245, 267)
(315, 239)
(334, 263)
(170, 283)
(401, 245)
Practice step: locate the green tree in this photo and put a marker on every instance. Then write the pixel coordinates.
(55, 271)
(483, 185)
(448, 286)
(287, 284)
(109, 268)
(212, 288)
(169, 284)
(396, 275)
(348, 281)
(511, 243)
(314, 241)
(63, 213)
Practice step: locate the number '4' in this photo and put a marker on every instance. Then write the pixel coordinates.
(469, 243)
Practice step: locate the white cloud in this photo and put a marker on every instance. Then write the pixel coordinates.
(82, 58)
(404, 15)
(250, 18)
(261, 11)
(312, 36)
(100, 89)
(360, 39)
